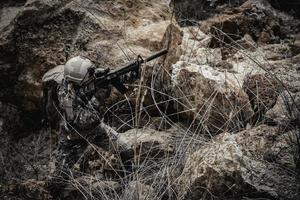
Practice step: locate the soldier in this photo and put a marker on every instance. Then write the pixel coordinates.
(61, 86)
(77, 114)
(69, 98)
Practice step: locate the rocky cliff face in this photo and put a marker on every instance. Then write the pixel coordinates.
(217, 118)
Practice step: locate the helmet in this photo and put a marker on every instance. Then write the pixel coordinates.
(77, 68)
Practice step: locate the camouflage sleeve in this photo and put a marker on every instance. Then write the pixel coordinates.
(86, 117)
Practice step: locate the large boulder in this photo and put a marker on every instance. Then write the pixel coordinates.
(211, 97)
(156, 79)
(246, 164)
(199, 71)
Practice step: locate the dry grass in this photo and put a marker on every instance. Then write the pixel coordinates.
(161, 174)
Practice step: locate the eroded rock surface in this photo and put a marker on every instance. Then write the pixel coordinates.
(235, 165)
(210, 98)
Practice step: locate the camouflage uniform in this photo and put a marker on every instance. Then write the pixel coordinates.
(77, 123)
(79, 117)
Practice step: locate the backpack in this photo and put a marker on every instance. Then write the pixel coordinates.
(50, 103)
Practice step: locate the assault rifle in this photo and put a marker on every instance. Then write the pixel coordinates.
(101, 78)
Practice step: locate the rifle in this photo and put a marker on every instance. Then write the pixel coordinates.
(104, 77)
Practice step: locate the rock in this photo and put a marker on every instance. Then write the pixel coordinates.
(149, 35)
(12, 123)
(194, 47)
(296, 60)
(286, 111)
(234, 166)
(7, 72)
(255, 18)
(246, 59)
(139, 191)
(295, 47)
(224, 66)
(149, 144)
(246, 43)
(172, 40)
(200, 71)
(160, 124)
(287, 72)
(262, 91)
(186, 12)
(244, 62)
(157, 78)
(264, 37)
(211, 97)
(8, 3)
(90, 187)
(8, 66)
(292, 7)
(34, 50)
(275, 61)
(99, 162)
(275, 52)
(30, 189)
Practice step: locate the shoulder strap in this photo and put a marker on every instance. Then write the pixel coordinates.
(49, 98)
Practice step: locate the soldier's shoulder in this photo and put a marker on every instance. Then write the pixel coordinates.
(55, 74)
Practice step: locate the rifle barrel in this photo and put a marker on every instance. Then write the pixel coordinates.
(133, 64)
(156, 55)
(124, 69)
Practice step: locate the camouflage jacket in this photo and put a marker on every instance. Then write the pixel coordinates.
(75, 116)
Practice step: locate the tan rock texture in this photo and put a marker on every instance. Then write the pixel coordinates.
(250, 162)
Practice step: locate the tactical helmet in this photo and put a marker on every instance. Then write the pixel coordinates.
(77, 68)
